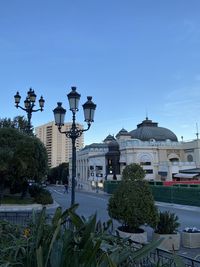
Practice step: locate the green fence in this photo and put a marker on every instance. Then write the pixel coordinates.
(110, 186)
(179, 194)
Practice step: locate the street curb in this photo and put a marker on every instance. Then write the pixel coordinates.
(177, 206)
(28, 207)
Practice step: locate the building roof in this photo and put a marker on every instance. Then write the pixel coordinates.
(186, 175)
(95, 145)
(109, 138)
(148, 130)
(122, 132)
(195, 170)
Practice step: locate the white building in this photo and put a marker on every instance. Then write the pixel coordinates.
(156, 149)
(59, 147)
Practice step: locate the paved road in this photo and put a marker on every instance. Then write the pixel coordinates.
(91, 202)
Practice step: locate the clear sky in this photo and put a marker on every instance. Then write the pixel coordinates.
(134, 57)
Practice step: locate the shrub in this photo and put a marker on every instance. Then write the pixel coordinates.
(34, 190)
(44, 197)
(167, 224)
(132, 203)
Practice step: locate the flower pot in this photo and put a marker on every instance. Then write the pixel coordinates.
(170, 241)
(190, 240)
(140, 237)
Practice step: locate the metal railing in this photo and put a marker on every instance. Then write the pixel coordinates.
(164, 258)
(160, 257)
(22, 218)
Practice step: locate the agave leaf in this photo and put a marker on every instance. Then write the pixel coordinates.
(39, 256)
(68, 249)
(57, 216)
(89, 228)
(56, 254)
(40, 227)
(7, 264)
(56, 232)
(90, 256)
(76, 219)
(141, 253)
(65, 214)
(105, 261)
(119, 256)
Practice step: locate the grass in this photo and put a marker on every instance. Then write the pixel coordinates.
(16, 200)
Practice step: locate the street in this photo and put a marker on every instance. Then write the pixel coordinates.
(91, 202)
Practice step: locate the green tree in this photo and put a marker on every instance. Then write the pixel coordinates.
(59, 173)
(23, 157)
(18, 122)
(132, 203)
(133, 172)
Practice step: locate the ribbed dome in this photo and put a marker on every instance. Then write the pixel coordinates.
(148, 130)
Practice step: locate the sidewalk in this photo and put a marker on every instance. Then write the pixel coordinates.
(178, 206)
(26, 208)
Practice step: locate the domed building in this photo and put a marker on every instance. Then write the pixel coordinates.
(155, 148)
(148, 130)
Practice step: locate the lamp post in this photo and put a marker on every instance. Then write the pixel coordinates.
(74, 132)
(29, 104)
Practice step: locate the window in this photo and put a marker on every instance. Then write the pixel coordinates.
(189, 158)
(149, 171)
(145, 160)
(174, 159)
(145, 163)
(99, 168)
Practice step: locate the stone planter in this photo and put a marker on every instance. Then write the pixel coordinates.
(136, 237)
(170, 241)
(190, 240)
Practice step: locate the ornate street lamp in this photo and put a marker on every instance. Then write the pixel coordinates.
(29, 104)
(59, 115)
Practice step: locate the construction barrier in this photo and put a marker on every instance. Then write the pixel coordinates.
(184, 194)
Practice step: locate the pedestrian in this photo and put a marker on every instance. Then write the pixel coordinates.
(66, 185)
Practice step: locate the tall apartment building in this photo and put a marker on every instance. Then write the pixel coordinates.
(59, 147)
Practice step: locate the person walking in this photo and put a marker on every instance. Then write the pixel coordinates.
(66, 185)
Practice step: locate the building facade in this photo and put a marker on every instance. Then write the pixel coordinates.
(58, 146)
(155, 148)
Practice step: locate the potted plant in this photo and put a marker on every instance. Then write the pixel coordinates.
(167, 228)
(132, 204)
(191, 237)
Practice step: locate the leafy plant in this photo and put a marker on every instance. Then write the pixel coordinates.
(132, 203)
(167, 224)
(67, 241)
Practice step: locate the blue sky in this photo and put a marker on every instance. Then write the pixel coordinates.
(134, 57)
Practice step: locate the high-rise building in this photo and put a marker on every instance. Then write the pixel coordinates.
(59, 147)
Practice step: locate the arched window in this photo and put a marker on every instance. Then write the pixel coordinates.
(189, 158)
(174, 159)
(145, 160)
